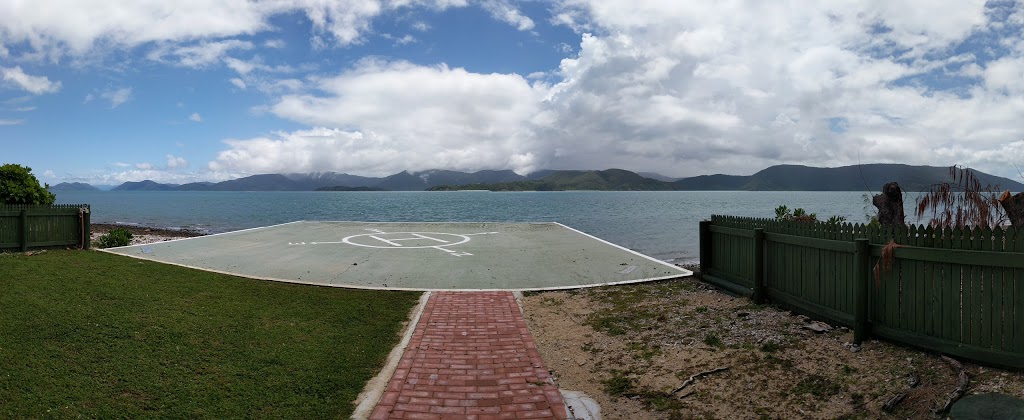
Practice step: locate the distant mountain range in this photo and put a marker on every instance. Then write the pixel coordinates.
(73, 186)
(869, 177)
(606, 180)
(402, 181)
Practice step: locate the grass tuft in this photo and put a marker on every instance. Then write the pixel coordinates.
(818, 386)
(619, 385)
(712, 340)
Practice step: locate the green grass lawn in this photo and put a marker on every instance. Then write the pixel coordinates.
(97, 335)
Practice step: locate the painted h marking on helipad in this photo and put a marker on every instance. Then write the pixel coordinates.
(394, 241)
(382, 242)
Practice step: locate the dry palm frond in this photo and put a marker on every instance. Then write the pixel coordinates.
(886, 261)
(962, 202)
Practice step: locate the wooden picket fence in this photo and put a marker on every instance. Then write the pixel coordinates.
(24, 227)
(955, 291)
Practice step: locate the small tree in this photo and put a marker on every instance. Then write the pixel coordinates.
(19, 186)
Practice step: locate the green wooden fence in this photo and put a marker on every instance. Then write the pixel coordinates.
(956, 291)
(24, 227)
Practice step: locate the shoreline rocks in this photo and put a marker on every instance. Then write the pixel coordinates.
(143, 234)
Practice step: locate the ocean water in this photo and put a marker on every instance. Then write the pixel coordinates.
(660, 224)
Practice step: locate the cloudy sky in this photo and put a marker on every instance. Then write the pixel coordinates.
(106, 91)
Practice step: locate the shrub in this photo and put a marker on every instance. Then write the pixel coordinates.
(115, 238)
(783, 213)
(799, 214)
(19, 186)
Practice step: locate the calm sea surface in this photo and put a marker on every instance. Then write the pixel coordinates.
(659, 224)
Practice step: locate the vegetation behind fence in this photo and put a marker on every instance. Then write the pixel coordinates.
(24, 226)
(956, 291)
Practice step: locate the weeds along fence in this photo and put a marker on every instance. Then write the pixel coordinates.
(955, 291)
(23, 227)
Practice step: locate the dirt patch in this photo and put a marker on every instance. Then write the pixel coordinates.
(630, 346)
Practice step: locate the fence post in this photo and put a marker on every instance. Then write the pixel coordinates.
(86, 227)
(24, 230)
(705, 247)
(759, 291)
(861, 290)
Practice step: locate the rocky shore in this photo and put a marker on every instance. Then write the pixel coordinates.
(143, 234)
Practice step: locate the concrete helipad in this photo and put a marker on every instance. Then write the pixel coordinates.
(414, 256)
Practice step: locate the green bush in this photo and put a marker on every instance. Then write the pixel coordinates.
(115, 238)
(19, 186)
(783, 213)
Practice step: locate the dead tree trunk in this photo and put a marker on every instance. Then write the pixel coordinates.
(1014, 206)
(890, 205)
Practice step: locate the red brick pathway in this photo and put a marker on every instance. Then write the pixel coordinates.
(471, 357)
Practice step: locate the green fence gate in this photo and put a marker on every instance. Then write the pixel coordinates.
(23, 227)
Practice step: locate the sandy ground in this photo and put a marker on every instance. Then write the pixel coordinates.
(629, 347)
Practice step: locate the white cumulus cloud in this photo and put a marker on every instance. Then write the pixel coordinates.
(168, 176)
(275, 43)
(176, 162)
(678, 87)
(244, 67)
(407, 39)
(401, 116)
(56, 28)
(721, 87)
(199, 55)
(195, 117)
(117, 97)
(504, 11)
(16, 77)
(683, 88)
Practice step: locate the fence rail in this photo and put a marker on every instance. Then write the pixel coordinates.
(23, 227)
(957, 291)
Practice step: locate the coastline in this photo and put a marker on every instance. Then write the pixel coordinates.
(144, 234)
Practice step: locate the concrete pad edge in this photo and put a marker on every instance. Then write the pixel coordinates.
(685, 272)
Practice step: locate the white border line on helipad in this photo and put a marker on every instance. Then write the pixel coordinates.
(683, 272)
(688, 272)
(375, 387)
(201, 236)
